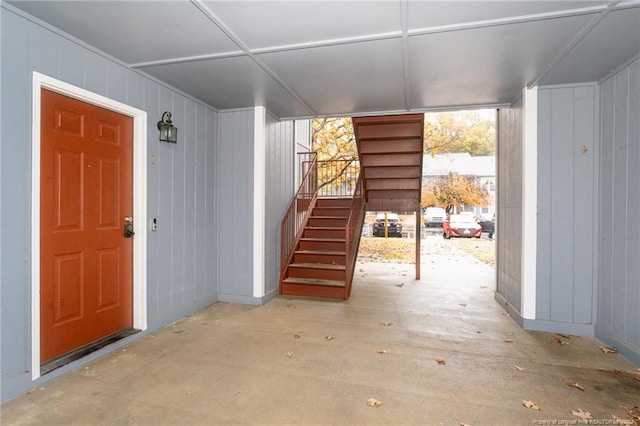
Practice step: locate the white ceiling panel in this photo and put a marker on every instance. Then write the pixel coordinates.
(303, 58)
(613, 41)
(346, 78)
(230, 83)
(484, 65)
(135, 31)
(263, 24)
(443, 13)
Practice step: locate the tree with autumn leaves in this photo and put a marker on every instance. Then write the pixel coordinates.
(453, 190)
(334, 141)
(461, 131)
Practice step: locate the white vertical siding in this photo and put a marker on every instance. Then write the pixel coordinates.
(234, 214)
(567, 157)
(618, 316)
(181, 192)
(279, 175)
(509, 217)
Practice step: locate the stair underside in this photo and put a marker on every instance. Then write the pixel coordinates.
(390, 151)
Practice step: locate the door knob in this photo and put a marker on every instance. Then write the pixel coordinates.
(128, 227)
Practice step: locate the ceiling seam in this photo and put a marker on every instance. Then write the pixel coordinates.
(574, 42)
(507, 21)
(404, 33)
(185, 59)
(236, 40)
(404, 19)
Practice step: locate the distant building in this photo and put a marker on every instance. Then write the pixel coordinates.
(463, 164)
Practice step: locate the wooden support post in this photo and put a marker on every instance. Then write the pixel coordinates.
(418, 235)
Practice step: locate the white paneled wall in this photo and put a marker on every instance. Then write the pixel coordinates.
(180, 184)
(618, 297)
(567, 161)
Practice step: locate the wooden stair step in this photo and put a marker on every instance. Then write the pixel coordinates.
(314, 281)
(327, 228)
(324, 231)
(335, 267)
(326, 271)
(325, 240)
(334, 202)
(315, 287)
(331, 210)
(335, 257)
(321, 252)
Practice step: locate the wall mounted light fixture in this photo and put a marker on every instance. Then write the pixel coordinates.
(168, 133)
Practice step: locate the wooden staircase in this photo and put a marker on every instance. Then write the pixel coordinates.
(319, 261)
(320, 236)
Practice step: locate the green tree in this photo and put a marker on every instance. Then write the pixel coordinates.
(461, 131)
(453, 190)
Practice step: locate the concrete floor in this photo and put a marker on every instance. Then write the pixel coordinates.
(227, 364)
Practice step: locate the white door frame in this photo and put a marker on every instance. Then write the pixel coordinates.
(41, 81)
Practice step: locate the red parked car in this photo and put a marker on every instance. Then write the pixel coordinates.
(461, 225)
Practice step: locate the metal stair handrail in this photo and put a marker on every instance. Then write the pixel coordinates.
(297, 214)
(338, 177)
(353, 232)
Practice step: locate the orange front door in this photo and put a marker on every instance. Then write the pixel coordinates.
(85, 194)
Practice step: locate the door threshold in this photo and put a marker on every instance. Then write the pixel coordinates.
(49, 366)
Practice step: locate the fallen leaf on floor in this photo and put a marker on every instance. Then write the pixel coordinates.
(574, 385)
(609, 349)
(517, 367)
(504, 314)
(462, 304)
(381, 351)
(464, 424)
(530, 404)
(584, 415)
(386, 324)
(633, 413)
(620, 373)
(637, 377)
(400, 285)
(296, 336)
(564, 336)
(508, 340)
(372, 402)
(290, 306)
(441, 361)
(559, 340)
(32, 390)
(329, 337)
(288, 354)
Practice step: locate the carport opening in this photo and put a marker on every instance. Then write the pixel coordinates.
(458, 177)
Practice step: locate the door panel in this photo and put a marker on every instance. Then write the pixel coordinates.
(86, 276)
